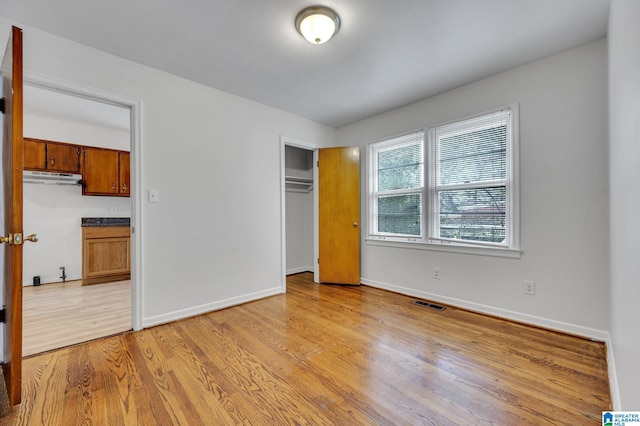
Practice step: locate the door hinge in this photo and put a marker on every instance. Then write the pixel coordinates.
(318, 163)
(318, 261)
(3, 314)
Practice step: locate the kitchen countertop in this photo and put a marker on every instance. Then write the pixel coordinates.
(105, 221)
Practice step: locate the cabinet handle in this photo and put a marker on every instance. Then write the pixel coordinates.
(113, 186)
(124, 187)
(53, 161)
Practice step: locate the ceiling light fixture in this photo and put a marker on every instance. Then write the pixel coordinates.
(317, 24)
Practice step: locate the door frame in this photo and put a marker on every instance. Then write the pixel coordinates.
(287, 141)
(135, 108)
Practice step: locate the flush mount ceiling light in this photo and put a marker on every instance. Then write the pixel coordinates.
(317, 24)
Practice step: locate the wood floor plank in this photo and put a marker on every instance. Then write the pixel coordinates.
(63, 314)
(321, 355)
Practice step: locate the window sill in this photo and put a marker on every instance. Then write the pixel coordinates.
(447, 248)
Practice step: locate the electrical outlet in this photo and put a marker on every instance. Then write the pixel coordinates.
(529, 287)
(114, 210)
(436, 273)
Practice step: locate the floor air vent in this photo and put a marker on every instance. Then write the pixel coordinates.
(429, 305)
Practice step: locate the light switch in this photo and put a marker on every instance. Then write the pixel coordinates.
(154, 195)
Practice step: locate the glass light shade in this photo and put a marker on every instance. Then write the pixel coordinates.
(317, 24)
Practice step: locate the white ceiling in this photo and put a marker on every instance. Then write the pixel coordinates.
(387, 54)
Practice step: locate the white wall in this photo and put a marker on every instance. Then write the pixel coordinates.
(74, 131)
(624, 134)
(299, 232)
(54, 212)
(214, 239)
(564, 194)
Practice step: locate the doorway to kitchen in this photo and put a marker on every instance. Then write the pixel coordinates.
(93, 121)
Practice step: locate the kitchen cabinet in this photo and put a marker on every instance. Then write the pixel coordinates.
(51, 156)
(106, 254)
(105, 172)
(124, 166)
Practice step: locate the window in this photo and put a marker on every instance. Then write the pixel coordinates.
(464, 194)
(398, 186)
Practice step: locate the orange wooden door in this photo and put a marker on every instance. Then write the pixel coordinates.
(339, 215)
(12, 236)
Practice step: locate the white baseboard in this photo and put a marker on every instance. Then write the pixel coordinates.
(577, 330)
(299, 270)
(50, 279)
(208, 307)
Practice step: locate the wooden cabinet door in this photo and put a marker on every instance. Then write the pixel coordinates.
(106, 254)
(35, 155)
(49, 156)
(125, 172)
(99, 171)
(63, 158)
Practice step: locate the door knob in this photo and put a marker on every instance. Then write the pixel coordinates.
(16, 239)
(355, 224)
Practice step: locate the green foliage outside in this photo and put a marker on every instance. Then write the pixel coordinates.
(474, 214)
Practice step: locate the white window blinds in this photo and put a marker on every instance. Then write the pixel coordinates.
(397, 196)
(469, 183)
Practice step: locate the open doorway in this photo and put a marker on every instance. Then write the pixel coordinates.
(61, 113)
(298, 208)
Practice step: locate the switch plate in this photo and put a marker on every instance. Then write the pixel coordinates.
(154, 196)
(529, 287)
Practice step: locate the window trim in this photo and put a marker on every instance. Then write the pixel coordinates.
(425, 241)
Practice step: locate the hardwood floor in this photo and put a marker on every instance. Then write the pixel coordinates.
(321, 355)
(62, 314)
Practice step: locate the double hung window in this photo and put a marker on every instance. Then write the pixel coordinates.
(398, 186)
(457, 187)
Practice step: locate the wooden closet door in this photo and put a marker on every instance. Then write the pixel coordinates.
(339, 215)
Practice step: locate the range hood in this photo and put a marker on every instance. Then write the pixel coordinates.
(48, 178)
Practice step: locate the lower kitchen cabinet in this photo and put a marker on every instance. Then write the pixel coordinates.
(106, 254)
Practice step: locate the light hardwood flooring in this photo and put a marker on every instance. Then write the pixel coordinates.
(62, 314)
(321, 355)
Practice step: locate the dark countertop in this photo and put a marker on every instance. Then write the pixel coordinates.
(105, 221)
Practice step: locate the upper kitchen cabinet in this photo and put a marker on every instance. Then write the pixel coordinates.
(105, 172)
(124, 160)
(51, 156)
